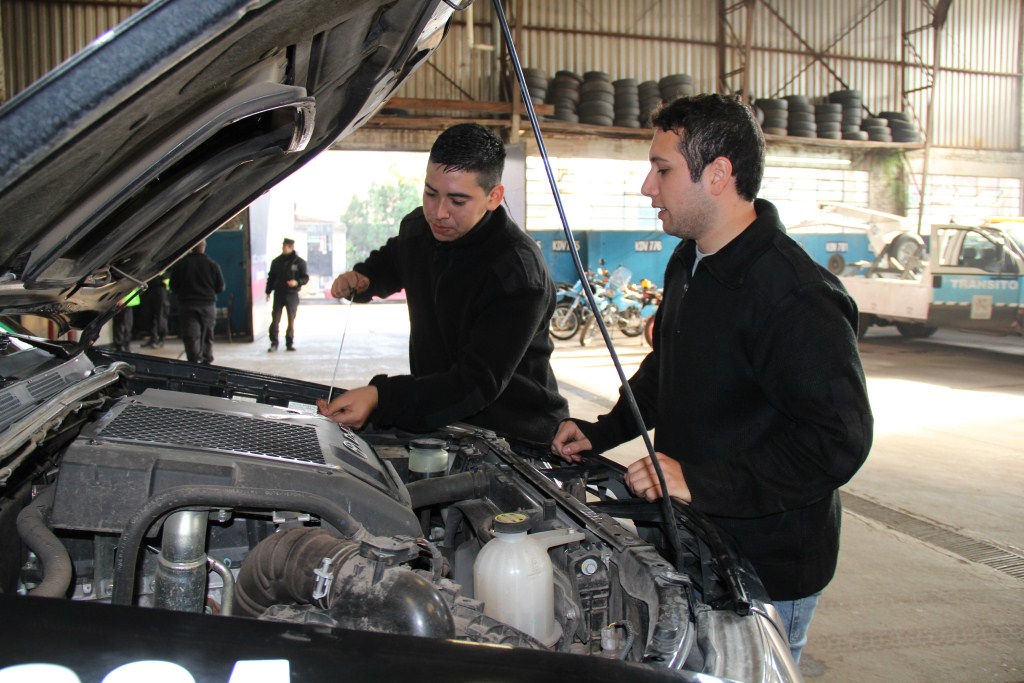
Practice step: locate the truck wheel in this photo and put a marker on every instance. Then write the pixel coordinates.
(836, 264)
(915, 330)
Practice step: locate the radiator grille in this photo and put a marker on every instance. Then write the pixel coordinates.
(216, 431)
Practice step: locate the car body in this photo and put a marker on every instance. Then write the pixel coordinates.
(162, 518)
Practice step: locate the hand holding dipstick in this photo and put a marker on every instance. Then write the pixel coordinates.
(352, 283)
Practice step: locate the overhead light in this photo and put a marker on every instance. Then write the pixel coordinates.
(808, 161)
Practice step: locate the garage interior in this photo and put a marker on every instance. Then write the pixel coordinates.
(931, 578)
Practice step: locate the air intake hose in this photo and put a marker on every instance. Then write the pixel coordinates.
(356, 591)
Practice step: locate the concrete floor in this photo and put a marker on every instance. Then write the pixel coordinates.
(930, 585)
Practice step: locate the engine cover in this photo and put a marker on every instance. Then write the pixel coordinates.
(160, 439)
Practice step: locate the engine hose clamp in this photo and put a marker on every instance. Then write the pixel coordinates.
(323, 579)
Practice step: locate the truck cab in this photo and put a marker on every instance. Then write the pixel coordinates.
(976, 277)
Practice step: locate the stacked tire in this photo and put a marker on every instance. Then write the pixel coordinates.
(902, 127)
(597, 99)
(775, 116)
(675, 86)
(564, 93)
(877, 129)
(649, 97)
(828, 118)
(627, 103)
(851, 102)
(801, 117)
(537, 84)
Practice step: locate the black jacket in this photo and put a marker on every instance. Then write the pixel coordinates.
(283, 268)
(755, 385)
(479, 349)
(196, 280)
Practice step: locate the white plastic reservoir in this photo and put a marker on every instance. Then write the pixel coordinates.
(513, 577)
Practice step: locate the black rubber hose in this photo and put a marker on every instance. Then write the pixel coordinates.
(57, 567)
(279, 570)
(447, 489)
(284, 570)
(181, 497)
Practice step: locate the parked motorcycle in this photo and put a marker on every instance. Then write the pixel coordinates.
(572, 309)
(623, 307)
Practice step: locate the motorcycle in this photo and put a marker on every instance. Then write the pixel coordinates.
(623, 307)
(572, 310)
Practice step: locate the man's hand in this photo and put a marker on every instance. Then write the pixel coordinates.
(292, 283)
(352, 408)
(268, 297)
(569, 442)
(349, 284)
(642, 480)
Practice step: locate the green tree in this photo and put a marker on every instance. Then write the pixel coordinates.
(372, 219)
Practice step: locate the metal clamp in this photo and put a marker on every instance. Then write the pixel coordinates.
(324, 579)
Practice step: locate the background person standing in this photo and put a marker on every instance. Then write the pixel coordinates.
(196, 280)
(123, 321)
(156, 301)
(285, 279)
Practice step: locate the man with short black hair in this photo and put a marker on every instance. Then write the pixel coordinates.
(753, 385)
(285, 279)
(480, 299)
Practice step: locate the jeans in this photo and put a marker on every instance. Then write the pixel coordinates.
(796, 619)
(289, 302)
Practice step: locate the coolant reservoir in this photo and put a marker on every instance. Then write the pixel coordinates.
(427, 458)
(513, 577)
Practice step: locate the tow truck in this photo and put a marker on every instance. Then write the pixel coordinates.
(961, 277)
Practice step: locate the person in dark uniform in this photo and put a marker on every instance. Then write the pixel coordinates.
(196, 280)
(480, 300)
(285, 279)
(123, 321)
(158, 304)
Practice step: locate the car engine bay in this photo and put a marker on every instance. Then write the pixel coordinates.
(145, 482)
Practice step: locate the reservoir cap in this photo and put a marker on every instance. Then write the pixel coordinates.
(511, 523)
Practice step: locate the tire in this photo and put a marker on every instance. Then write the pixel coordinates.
(906, 252)
(565, 323)
(915, 330)
(836, 264)
(589, 331)
(649, 331)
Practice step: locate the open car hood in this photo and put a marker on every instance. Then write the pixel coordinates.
(115, 164)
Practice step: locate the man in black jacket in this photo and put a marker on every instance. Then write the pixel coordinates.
(196, 280)
(754, 385)
(285, 279)
(479, 296)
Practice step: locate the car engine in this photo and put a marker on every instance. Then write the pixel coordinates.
(224, 493)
